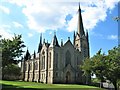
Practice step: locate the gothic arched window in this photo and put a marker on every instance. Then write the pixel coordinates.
(30, 66)
(56, 60)
(43, 60)
(50, 60)
(68, 58)
(26, 67)
(36, 66)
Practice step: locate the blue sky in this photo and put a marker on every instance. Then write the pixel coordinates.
(30, 18)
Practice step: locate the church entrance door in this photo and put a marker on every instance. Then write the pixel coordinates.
(68, 77)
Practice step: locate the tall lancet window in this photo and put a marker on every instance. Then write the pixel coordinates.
(84, 51)
(25, 66)
(36, 66)
(50, 60)
(30, 66)
(56, 64)
(43, 60)
(68, 58)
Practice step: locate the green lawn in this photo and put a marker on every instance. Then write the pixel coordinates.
(34, 85)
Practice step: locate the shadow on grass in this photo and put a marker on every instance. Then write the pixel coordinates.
(13, 87)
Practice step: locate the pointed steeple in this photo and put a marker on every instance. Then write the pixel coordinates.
(54, 41)
(54, 33)
(41, 38)
(47, 44)
(80, 28)
(27, 55)
(79, 6)
(61, 42)
(74, 38)
(40, 44)
(87, 36)
(34, 54)
(44, 40)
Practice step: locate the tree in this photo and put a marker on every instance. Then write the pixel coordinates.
(11, 51)
(99, 67)
(113, 65)
(105, 67)
(87, 69)
(12, 72)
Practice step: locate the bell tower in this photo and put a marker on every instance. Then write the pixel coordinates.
(81, 39)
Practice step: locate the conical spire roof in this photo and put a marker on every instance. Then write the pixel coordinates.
(34, 54)
(80, 28)
(40, 44)
(87, 36)
(27, 55)
(54, 41)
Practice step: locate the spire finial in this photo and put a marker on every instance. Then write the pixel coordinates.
(68, 38)
(54, 33)
(87, 34)
(27, 48)
(80, 23)
(74, 33)
(79, 6)
(86, 31)
(61, 42)
(74, 38)
(41, 38)
(44, 40)
(40, 43)
(34, 54)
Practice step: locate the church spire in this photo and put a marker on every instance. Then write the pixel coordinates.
(40, 44)
(54, 41)
(79, 6)
(80, 28)
(87, 36)
(61, 42)
(27, 55)
(34, 54)
(74, 38)
(41, 38)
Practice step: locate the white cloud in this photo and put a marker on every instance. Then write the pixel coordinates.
(4, 9)
(50, 32)
(5, 32)
(112, 37)
(30, 34)
(17, 25)
(92, 33)
(42, 15)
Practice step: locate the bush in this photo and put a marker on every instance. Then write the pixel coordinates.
(11, 72)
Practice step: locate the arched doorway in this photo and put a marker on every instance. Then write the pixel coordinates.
(68, 77)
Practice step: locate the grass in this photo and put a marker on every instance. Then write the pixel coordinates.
(33, 85)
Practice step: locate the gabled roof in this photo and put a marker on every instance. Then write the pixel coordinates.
(68, 41)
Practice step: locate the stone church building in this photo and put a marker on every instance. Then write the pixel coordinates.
(55, 63)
